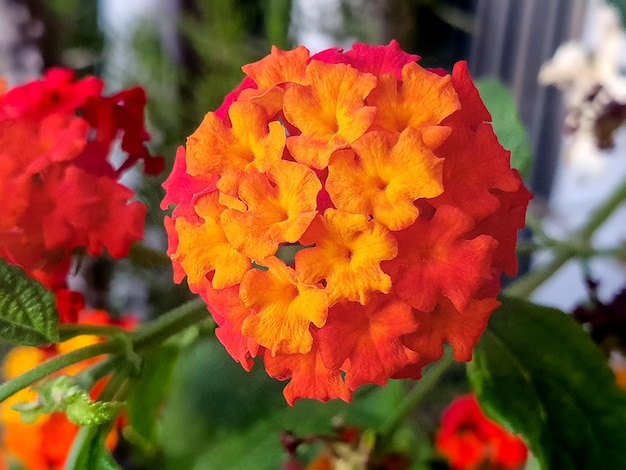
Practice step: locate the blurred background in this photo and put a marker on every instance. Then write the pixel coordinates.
(188, 55)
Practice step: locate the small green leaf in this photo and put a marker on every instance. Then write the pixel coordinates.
(28, 314)
(85, 412)
(29, 412)
(506, 122)
(148, 395)
(89, 452)
(537, 372)
(61, 394)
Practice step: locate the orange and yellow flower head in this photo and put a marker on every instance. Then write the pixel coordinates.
(344, 215)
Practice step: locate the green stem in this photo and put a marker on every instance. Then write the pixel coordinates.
(602, 213)
(126, 345)
(526, 285)
(428, 381)
(115, 384)
(167, 325)
(57, 363)
(70, 330)
(88, 377)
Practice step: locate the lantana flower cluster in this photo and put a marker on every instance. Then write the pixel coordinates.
(56, 138)
(344, 215)
(471, 441)
(45, 444)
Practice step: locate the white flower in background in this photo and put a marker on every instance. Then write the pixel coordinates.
(594, 89)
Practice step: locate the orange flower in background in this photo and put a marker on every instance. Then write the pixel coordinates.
(470, 441)
(45, 444)
(344, 215)
(56, 137)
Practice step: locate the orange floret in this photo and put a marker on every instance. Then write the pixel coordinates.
(330, 113)
(385, 176)
(310, 378)
(203, 246)
(279, 67)
(251, 143)
(278, 208)
(366, 342)
(284, 307)
(422, 98)
(347, 254)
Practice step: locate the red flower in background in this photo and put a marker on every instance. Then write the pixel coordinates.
(471, 441)
(387, 182)
(60, 189)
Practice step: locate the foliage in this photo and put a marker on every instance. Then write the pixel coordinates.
(28, 312)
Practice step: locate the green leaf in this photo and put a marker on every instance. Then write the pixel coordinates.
(61, 394)
(89, 452)
(224, 417)
(277, 22)
(28, 314)
(537, 372)
(86, 412)
(506, 122)
(148, 395)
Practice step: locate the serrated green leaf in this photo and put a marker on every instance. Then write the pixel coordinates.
(85, 412)
(506, 122)
(150, 390)
(61, 394)
(89, 452)
(28, 314)
(537, 372)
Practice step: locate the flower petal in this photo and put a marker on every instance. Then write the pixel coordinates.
(385, 176)
(422, 98)
(203, 246)
(347, 254)
(279, 207)
(229, 314)
(284, 308)
(434, 260)
(330, 112)
(252, 142)
(366, 341)
(279, 67)
(310, 378)
(461, 328)
(376, 60)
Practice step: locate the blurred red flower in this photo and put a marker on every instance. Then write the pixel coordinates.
(56, 139)
(471, 441)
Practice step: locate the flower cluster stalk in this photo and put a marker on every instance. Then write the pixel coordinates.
(57, 363)
(151, 335)
(564, 251)
(430, 379)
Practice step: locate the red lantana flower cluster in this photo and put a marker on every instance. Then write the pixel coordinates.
(344, 215)
(56, 137)
(471, 441)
